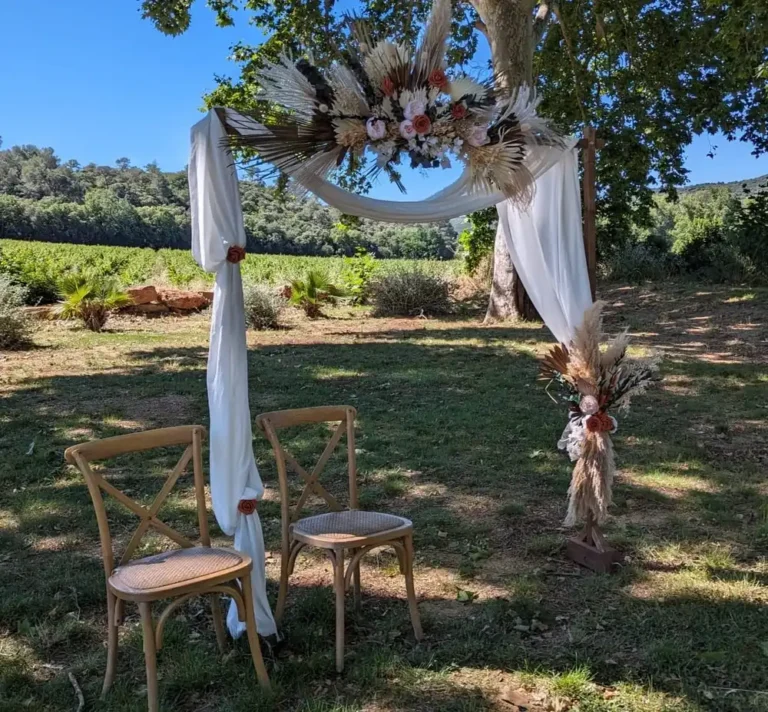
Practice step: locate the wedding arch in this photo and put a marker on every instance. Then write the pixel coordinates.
(394, 103)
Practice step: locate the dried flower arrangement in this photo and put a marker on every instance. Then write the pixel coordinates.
(593, 380)
(393, 101)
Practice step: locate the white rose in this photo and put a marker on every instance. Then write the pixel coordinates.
(406, 129)
(589, 405)
(376, 128)
(415, 107)
(478, 137)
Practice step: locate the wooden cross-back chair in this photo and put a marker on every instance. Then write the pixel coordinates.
(192, 570)
(339, 530)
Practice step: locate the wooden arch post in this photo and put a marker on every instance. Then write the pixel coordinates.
(589, 144)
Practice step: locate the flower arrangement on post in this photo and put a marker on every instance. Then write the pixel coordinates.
(592, 380)
(390, 102)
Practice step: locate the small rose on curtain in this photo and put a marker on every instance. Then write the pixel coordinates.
(235, 254)
(247, 506)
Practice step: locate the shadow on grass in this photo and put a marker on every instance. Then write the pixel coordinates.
(686, 643)
(454, 432)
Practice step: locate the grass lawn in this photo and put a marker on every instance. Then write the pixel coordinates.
(455, 433)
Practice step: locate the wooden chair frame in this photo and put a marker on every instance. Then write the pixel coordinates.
(400, 539)
(234, 582)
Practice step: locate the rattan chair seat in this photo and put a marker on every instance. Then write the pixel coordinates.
(175, 568)
(337, 527)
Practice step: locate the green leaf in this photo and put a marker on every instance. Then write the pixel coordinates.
(465, 596)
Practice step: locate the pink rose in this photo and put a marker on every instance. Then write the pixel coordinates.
(478, 137)
(413, 108)
(422, 124)
(247, 506)
(376, 128)
(407, 131)
(235, 254)
(438, 79)
(458, 111)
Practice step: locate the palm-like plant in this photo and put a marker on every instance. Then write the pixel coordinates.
(312, 292)
(92, 298)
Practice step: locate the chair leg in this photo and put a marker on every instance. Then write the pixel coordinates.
(283, 592)
(411, 591)
(150, 656)
(253, 638)
(109, 676)
(218, 623)
(338, 585)
(358, 596)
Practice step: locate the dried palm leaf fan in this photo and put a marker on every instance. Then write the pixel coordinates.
(390, 103)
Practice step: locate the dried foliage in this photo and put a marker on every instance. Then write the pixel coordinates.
(592, 380)
(395, 101)
(15, 327)
(263, 306)
(411, 293)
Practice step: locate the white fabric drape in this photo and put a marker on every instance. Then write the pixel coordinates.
(546, 244)
(217, 225)
(450, 202)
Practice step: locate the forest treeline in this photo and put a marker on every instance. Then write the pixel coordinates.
(45, 198)
(717, 232)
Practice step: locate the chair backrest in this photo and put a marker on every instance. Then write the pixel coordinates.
(83, 454)
(271, 423)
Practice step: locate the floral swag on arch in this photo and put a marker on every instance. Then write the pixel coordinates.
(389, 104)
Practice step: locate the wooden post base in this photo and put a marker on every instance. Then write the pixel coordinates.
(590, 549)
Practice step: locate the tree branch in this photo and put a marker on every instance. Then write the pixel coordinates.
(541, 22)
(574, 64)
(480, 25)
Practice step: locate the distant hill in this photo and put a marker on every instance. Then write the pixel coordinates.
(736, 186)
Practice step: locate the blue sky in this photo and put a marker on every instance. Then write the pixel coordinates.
(96, 82)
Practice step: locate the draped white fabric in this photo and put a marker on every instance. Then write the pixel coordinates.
(217, 225)
(451, 202)
(544, 240)
(546, 244)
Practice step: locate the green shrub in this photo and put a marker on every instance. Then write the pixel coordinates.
(746, 225)
(357, 275)
(639, 262)
(312, 292)
(15, 326)
(91, 298)
(411, 292)
(477, 241)
(262, 306)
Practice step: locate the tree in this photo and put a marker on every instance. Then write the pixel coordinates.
(648, 74)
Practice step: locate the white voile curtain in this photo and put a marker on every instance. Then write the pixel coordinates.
(546, 244)
(217, 225)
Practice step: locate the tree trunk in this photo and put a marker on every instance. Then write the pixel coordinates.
(508, 298)
(509, 29)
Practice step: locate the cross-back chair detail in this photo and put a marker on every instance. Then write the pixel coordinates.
(340, 529)
(192, 570)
